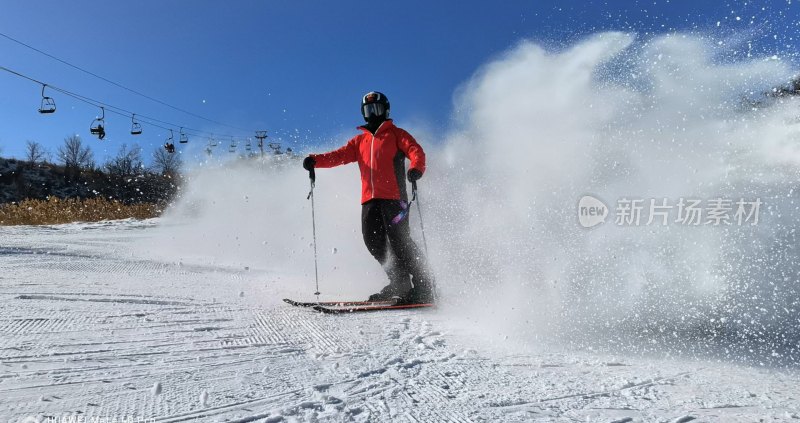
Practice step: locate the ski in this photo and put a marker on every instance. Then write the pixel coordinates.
(337, 309)
(338, 303)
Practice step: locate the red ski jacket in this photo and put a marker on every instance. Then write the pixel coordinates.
(381, 159)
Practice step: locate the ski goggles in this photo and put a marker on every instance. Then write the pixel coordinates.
(374, 109)
(371, 97)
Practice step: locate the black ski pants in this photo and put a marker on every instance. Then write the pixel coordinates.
(384, 225)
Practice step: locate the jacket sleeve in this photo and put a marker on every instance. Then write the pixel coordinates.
(408, 145)
(346, 154)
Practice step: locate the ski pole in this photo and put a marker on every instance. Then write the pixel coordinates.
(419, 210)
(434, 289)
(312, 177)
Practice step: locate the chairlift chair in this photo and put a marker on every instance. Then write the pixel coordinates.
(169, 144)
(247, 145)
(210, 145)
(232, 148)
(48, 104)
(136, 128)
(97, 126)
(184, 139)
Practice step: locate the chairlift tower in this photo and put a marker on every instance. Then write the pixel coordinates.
(261, 136)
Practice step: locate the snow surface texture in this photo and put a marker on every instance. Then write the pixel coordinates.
(89, 329)
(540, 320)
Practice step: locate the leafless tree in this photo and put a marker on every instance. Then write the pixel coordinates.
(35, 152)
(166, 163)
(127, 162)
(74, 155)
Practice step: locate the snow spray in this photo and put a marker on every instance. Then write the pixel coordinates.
(609, 118)
(616, 118)
(254, 214)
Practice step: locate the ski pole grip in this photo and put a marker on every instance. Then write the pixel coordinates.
(312, 175)
(414, 186)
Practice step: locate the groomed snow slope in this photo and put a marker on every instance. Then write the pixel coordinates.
(88, 329)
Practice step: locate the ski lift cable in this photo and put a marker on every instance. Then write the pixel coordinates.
(122, 112)
(127, 113)
(112, 109)
(119, 85)
(96, 103)
(23, 76)
(116, 110)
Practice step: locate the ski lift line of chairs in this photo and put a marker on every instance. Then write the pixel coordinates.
(136, 128)
(97, 126)
(48, 104)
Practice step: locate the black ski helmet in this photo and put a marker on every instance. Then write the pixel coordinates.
(375, 105)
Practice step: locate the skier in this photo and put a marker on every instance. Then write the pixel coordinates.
(381, 151)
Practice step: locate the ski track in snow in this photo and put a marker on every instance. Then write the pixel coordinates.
(87, 329)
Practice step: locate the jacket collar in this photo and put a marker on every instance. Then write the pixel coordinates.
(387, 124)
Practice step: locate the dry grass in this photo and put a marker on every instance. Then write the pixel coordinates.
(54, 211)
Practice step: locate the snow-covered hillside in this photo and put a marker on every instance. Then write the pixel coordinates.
(88, 328)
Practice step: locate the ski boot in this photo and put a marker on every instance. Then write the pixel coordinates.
(418, 296)
(388, 293)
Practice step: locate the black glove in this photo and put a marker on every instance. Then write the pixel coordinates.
(309, 163)
(413, 175)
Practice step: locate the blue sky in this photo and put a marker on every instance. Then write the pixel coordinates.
(298, 69)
